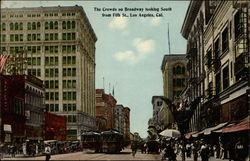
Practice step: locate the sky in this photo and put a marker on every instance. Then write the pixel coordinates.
(130, 50)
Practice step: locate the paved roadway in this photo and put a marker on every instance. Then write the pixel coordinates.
(124, 155)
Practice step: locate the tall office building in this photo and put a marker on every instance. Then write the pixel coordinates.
(60, 46)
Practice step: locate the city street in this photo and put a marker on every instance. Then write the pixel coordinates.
(124, 155)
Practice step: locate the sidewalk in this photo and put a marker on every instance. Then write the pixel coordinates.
(21, 156)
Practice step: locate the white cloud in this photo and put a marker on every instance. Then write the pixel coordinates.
(144, 46)
(155, 21)
(128, 55)
(143, 49)
(118, 23)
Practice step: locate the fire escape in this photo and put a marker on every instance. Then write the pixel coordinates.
(241, 44)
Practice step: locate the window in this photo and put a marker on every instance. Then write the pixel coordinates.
(16, 37)
(69, 60)
(218, 83)
(3, 38)
(34, 49)
(69, 36)
(11, 26)
(179, 69)
(69, 71)
(225, 40)
(238, 24)
(35, 72)
(51, 96)
(50, 61)
(69, 83)
(69, 107)
(51, 49)
(51, 36)
(51, 72)
(29, 26)
(69, 96)
(33, 37)
(216, 49)
(225, 77)
(208, 58)
(3, 27)
(71, 118)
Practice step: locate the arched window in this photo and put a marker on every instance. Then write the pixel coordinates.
(64, 25)
(73, 24)
(29, 26)
(178, 70)
(33, 26)
(68, 25)
(11, 26)
(38, 25)
(16, 26)
(21, 26)
(56, 25)
(51, 25)
(46, 25)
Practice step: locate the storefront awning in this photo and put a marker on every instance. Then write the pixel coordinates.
(220, 130)
(241, 126)
(199, 133)
(188, 135)
(208, 131)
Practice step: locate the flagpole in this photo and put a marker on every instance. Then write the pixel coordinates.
(169, 50)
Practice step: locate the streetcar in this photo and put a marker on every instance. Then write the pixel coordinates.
(112, 141)
(91, 141)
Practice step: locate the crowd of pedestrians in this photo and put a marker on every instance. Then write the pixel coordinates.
(200, 148)
(31, 149)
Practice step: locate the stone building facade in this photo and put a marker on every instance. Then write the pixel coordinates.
(60, 47)
(217, 34)
(105, 110)
(174, 74)
(34, 108)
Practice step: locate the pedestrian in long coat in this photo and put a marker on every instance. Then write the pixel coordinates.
(204, 153)
(134, 147)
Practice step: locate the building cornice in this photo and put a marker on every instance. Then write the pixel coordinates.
(193, 9)
(54, 9)
(174, 56)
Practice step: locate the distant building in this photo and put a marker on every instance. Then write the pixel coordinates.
(126, 123)
(34, 108)
(157, 103)
(22, 108)
(55, 127)
(174, 75)
(119, 118)
(59, 44)
(174, 82)
(105, 108)
(12, 111)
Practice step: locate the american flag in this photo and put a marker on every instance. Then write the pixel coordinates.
(3, 59)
